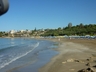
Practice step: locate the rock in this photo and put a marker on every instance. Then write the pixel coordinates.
(90, 69)
(64, 62)
(87, 70)
(70, 60)
(88, 59)
(77, 61)
(88, 64)
(94, 66)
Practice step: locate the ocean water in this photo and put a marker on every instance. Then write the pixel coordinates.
(19, 54)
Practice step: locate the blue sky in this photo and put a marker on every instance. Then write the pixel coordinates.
(28, 14)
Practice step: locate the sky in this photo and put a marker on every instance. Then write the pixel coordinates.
(43, 14)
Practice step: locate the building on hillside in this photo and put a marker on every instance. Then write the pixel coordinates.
(11, 33)
(22, 31)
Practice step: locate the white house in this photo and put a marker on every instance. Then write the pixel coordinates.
(12, 31)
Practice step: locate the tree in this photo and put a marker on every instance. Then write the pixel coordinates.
(35, 29)
(69, 25)
(0, 34)
(59, 28)
(81, 25)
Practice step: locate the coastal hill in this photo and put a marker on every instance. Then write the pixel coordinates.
(78, 30)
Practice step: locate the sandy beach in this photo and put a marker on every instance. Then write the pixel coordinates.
(75, 55)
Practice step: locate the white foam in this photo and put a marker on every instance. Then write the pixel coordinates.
(11, 60)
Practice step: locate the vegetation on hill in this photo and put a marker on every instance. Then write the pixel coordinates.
(80, 30)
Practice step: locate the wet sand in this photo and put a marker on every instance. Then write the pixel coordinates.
(74, 55)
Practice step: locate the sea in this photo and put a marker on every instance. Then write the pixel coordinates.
(25, 54)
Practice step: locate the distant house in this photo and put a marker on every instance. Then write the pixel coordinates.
(22, 31)
(12, 31)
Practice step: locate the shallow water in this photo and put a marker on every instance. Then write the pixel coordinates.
(24, 55)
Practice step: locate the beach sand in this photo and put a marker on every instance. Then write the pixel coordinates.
(74, 55)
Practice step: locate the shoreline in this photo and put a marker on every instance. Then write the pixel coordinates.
(33, 60)
(72, 56)
(74, 49)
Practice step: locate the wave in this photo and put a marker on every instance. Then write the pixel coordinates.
(12, 58)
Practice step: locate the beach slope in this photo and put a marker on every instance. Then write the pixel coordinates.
(74, 55)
